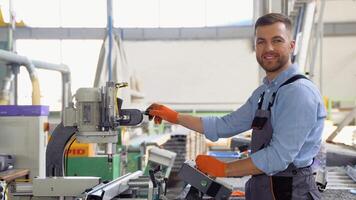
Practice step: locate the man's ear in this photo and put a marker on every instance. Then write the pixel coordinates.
(292, 45)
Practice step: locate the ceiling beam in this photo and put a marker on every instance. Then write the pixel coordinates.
(244, 32)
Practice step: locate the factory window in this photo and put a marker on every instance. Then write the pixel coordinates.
(229, 12)
(61, 13)
(38, 13)
(133, 13)
(136, 13)
(83, 13)
(182, 13)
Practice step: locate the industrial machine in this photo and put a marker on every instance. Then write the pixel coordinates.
(134, 185)
(137, 185)
(201, 184)
(94, 117)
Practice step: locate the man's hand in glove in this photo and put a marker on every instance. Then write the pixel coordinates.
(159, 112)
(211, 166)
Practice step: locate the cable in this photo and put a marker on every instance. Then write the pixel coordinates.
(67, 155)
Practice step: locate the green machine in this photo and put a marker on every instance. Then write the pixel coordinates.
(122, 163)
(100, 167)
(128, 159)
(94, 166)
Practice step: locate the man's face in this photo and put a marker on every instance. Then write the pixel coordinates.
(274, 45)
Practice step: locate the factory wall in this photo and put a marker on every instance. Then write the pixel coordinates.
(215, 74)
(338, 74)
(226, 71)
(195, 72)
(340, 11)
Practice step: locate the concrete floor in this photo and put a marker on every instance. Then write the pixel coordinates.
(338, 194)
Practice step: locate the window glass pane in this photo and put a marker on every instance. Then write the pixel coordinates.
(83, 13)
(66, 13)
(38, 13)
(229, 12)
(182, 13)
(136, 13)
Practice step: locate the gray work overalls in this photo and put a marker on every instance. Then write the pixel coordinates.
(292, 183)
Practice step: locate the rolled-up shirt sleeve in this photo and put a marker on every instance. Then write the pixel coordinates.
(293, 116)
(230, 124)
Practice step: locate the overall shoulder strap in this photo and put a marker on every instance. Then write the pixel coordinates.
(290, 80)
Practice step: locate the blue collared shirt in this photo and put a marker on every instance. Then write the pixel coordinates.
(297, 118)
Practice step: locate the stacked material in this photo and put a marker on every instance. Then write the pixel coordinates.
(187, 145)
(338, 179)
(351, 172)
(340, 183)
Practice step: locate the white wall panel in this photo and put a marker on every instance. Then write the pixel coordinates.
(339, 68)
(223, 71)
(340, 11)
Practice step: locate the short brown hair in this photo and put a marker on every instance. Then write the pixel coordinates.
(272, 18)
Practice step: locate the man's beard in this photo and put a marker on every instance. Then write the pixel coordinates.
(280, 63)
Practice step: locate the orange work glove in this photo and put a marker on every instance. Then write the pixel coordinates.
(238, 193)
(211, 166)
(159, 112)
